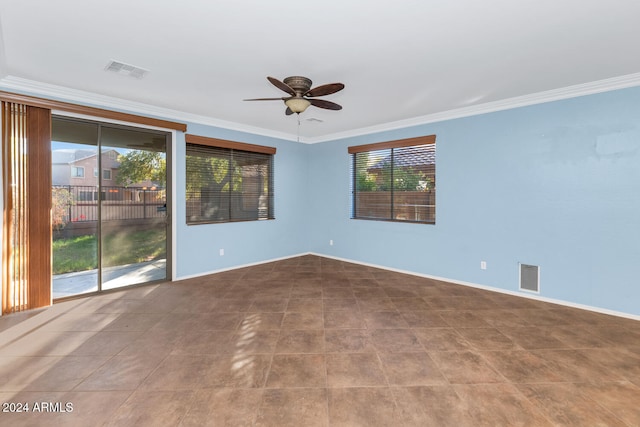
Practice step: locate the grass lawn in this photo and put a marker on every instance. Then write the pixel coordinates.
(119, 248)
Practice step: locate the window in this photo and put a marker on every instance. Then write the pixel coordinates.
(228, 181)
(395, 180)
(95, 172)
(86, 196)
(106, 174)
(77, 172)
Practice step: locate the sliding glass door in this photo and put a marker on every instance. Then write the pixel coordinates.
(110, 198)
(133, 207)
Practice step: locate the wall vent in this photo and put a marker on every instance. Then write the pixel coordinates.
(126, 69)
(529, 278)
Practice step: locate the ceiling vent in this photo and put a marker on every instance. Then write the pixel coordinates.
(126, 69)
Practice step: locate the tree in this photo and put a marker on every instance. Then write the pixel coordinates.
(138, 166)
(404, 179)
(364, 182)
(61, 200)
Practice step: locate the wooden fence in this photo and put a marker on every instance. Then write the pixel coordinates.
(75, 208)
(418, 206)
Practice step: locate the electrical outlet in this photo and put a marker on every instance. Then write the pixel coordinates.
(483, 265)
(221, 252)
(330, 242)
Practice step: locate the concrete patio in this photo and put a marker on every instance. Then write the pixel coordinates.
(81, 282)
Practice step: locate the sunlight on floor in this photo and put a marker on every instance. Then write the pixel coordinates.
(242, 363)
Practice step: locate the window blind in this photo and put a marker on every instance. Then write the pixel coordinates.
(226, 184)
(394, 181)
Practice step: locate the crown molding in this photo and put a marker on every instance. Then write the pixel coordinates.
(61, 93)
(599, 86)
(21, 85)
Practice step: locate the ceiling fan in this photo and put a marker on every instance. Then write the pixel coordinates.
(302, 95)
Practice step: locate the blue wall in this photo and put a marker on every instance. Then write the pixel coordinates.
(555, 185)
(245, 242)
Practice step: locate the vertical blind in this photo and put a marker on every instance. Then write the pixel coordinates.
(394, 181)
(14, 226)
(26, 186)
(226, 184)
(26, 193)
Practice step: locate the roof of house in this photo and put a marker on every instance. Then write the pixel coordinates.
(407, 157)
(72, 155)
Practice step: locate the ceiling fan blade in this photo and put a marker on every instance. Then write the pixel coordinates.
(327, 89)
(264, 99)
(321, 103)
(288, 111)
(282, 86)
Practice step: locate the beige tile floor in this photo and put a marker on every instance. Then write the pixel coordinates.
(312, 341)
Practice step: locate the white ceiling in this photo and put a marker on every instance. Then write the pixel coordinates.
(403, 62)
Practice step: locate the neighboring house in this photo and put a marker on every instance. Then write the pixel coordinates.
(80, 167)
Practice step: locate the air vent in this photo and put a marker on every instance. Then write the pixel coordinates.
(529, 278)
(126, 69)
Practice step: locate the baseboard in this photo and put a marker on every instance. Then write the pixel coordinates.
(236, 267)
(429, 276)
(490, 288)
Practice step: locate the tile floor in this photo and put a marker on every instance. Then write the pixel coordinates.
(311, 341)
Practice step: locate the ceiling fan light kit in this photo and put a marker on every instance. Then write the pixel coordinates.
(302, 96)
(297, 105)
